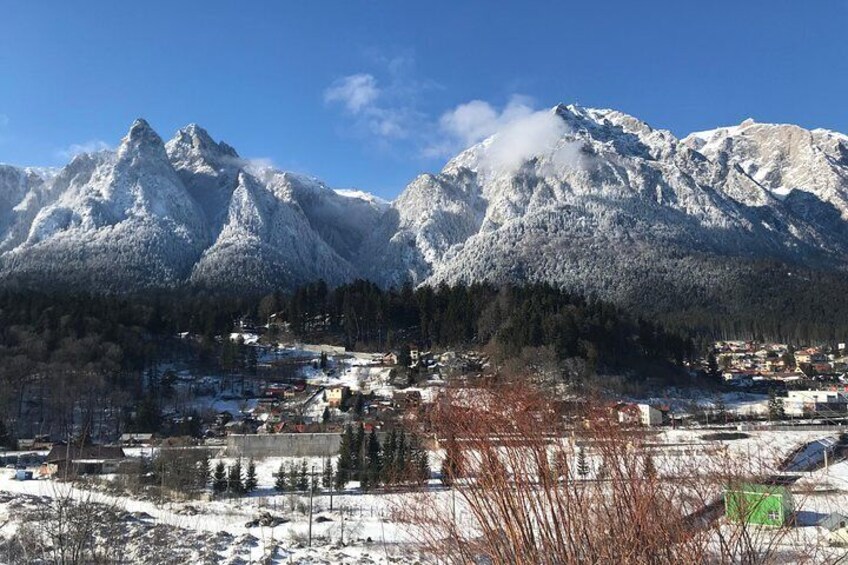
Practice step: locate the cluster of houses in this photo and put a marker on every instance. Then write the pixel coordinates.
(749, 363)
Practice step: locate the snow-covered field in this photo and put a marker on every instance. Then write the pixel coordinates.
(222, 530)
(364, 528)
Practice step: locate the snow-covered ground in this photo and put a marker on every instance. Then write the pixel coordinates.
(364, 521)
(225, 530)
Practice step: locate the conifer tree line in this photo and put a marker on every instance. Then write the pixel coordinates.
(234, 479)
(296, 477)
(402, 459)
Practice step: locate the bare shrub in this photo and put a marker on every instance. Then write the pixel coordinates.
(66, 530)
(535, 488)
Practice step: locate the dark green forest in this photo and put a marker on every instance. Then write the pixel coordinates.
(82, 353)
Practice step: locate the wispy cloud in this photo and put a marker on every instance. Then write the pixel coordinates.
(389, 115)
(356, 92)
(92, 146)
(4, 120)
(382, 106)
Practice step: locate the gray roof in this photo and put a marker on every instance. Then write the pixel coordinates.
(834, 521)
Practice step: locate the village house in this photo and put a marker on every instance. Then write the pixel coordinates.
(640, 414)
(810, 356)
(651, 415)
(133, 439)
(390, 359)
(73, 460)
(406, 399)
(337, 395)
(836, 524)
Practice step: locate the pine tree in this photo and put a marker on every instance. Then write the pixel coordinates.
(5, 439)
(582, 464)
(294, 477)
(219, 478)
(373, 462)
(388, 475)
(250, 482)
(776, 410)
(327, 475)
(204, 471)
(280, 479)
(234, 482)
(344, 466)
(419, 460)
(356, 459)
(720, 408)
(401, 458)
(303, 477)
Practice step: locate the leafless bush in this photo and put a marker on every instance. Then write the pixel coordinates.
(66, 530)
(527, 488)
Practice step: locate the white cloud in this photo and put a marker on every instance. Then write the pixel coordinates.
(518, 131)
(92, 146)
(526, 137)
(356, 92)
(386, 112)
(474, 121)
(360, 95)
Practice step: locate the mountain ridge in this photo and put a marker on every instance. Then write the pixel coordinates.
(591, 199)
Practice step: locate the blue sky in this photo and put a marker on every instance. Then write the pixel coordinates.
(369, 94)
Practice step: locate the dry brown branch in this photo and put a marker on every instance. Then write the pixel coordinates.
(527, 486)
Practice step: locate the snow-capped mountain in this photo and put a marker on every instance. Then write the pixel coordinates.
(607, 204)
(152, 214)
(592, 199)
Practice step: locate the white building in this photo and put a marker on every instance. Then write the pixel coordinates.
(650, 416)
(803, 402)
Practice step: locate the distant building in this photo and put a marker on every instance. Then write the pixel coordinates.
(640, 414)
(136, 439)
(811, 355)
(337, 395)
(86, 460)
(804, 402)
(764, 505)
(836, 524)
(390, 359)
(407, 399)
(650, 415)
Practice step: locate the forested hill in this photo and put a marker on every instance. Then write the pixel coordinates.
(126, 330)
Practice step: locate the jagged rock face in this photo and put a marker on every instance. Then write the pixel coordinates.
(157, 215)
(605, 205)
(594, 200)
(783, 158)
(267, 239)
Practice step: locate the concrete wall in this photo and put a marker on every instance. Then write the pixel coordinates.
(286, 445)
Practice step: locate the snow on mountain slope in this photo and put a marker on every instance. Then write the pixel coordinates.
(23, 192)
(592, 199)
(267, 243)
(154, 214)
(588, 197)
(341, 220)
(208, 169)
(122, 219)
(783, 158)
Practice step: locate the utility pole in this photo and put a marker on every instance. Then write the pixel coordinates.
(311, 491)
